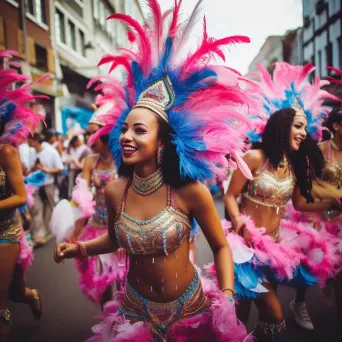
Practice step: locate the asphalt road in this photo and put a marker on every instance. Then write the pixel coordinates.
(68, 315)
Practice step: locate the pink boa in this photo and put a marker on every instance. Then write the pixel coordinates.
(26, 254)
(320, 240)
(283, 259)
(318, 248)
(219, 324)
(92, 282)
(83, 197)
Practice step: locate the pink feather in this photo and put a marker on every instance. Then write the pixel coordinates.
(184, 32)
(210, 47)
(143, 41)
(174, 27)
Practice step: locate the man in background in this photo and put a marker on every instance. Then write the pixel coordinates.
(48, 160)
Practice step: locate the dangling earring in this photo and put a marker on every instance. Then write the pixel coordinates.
(160, 156)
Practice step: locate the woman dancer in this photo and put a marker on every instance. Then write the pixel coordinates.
(328, 221)
(98, 273)
(163, 143)
(15, 254)
(283, 164)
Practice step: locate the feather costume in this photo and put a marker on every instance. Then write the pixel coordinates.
(201, 101)
(17, 120)
(290, 87)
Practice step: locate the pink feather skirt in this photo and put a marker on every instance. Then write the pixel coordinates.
(300, 257)
(97, 273)
(323, 248)
(26, 254)
(217, 323)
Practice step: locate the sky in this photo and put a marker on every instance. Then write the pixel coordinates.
(256, 19)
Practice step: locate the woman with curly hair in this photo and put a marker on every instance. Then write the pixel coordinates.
(284, 162)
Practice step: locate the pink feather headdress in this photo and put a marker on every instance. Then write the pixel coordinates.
(202, 102)
(290, 87)
(17, 120)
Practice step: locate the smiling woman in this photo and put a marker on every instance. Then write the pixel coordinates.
(285, 160)
(164, 143)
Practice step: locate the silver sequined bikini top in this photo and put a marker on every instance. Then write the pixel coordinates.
(268, 190)
(160, 234)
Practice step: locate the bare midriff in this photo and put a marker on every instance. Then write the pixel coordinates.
(162, 278)
(262, 216)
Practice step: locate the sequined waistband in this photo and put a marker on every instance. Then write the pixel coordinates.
(265, 203)
(10, 229)
(161, 315)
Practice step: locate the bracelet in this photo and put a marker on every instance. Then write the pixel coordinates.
(229, 289)
(80, 246)
(82, 249)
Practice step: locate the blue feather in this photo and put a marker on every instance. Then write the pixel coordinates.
(167, 54)
(36, 178)
(6, 111)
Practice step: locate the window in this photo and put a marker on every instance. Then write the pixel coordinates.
(60, 26)
(340, 52)
(36, 8)
(71, 41)
(101, 12)
(319, 66)
(96, 9)
(30, 6)
(81, 43)
(329, 54)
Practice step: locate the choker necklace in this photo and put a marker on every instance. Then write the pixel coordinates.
(148, 185)
(103, 158)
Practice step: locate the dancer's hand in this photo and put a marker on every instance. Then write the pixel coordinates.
(66, 250)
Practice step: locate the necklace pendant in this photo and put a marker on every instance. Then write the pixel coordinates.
(148, 185)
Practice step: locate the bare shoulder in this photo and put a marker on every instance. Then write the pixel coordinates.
(8, 153)
(192, 195)
(91, 159)
(115, 190)
(255, 159)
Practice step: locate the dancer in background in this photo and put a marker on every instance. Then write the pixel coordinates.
(16, 120)
(284, 163)
(98, 274)
(164, 143)
(328, 221)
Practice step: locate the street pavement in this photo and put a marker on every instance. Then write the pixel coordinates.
(68, 315)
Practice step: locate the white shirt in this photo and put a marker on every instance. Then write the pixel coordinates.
(50, 158)
(27, 155)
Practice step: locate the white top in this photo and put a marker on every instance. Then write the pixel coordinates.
(50, 158)
(27, 155)
(79, 153)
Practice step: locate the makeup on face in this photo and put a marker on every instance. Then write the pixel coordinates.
(298, 132)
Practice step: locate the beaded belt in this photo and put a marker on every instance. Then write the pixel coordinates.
(161, 315)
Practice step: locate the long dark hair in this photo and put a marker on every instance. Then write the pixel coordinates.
(170, 162)
(307, 162)
(334, 117)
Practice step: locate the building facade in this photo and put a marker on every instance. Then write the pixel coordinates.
(270, 52)
(322, 34)
(25, 27)
(66, 38)
(82, 35)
